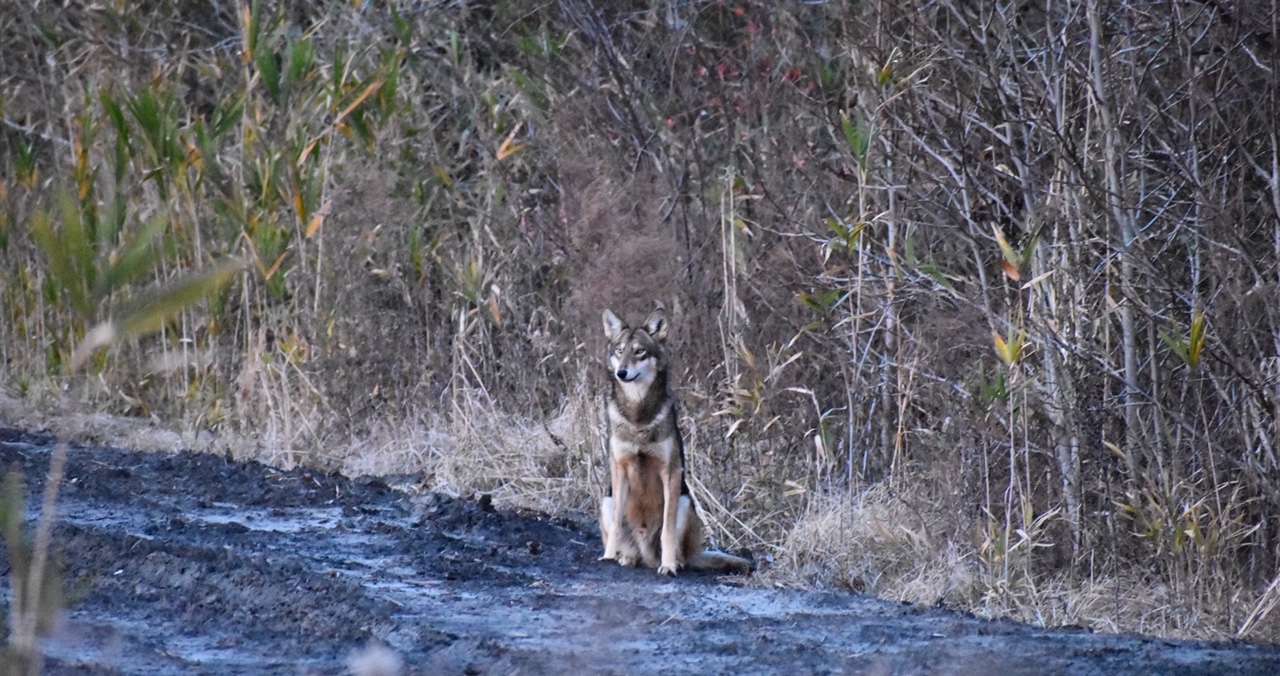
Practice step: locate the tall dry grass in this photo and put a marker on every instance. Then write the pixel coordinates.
(971, 301)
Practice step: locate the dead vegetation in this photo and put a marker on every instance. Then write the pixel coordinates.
(973, 302)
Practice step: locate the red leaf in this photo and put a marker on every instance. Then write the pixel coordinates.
(1011, 271)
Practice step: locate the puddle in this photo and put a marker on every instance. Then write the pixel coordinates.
(270, 520)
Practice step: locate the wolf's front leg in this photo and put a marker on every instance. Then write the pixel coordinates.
(606, 521)
(671, 535)
(618, 506)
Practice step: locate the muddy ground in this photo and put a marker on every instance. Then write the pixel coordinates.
(191, 563)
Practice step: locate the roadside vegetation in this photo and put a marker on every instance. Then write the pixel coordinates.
(973, 303)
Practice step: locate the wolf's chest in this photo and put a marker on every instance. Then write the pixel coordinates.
(653, 442)
(655, 437)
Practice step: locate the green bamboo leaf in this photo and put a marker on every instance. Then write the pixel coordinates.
(1029, 249)
(417, 254)
(68, 251)
(1002, 349)
(207, 159)
(885, 76)
(301, 56)
(1009, 352)
(269, 68)
(823, 302)
(529, 45)
(1195, 346)
(455, 47)
(254, 28)
(77, 240)
(151, 311)
(120, 165)
(123, 144)
(146, 111)
(115, 114)
(137, 259)
(849, 236)
(390, 80)
(936, 274)
(157, 118)
(357, 122)
(909, 252)
(226, 117)
(858, 138)
(339, 69)
(1006, 250)
(828, 76)
(1178, 346)
(116, 217)
(403, 29)
(61, 272)
(25, 168)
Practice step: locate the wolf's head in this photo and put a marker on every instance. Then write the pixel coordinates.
(637, 357)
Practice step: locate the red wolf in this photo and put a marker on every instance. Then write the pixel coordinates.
(649, 516)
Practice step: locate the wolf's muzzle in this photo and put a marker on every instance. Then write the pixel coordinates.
(622, 375)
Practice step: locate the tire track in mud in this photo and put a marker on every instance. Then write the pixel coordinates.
(191, 563)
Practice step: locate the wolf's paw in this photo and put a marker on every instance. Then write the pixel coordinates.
(667, 570)
(611, 551)
(627, 560)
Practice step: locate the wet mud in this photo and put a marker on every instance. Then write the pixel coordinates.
(191, 563)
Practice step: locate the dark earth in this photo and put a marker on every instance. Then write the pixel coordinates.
(192, 563)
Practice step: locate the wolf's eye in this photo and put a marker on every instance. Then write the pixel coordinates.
(640, 353)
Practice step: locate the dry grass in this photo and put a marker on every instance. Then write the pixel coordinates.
(550, 464)
(78, 426)
(875, 542)
(879, 543)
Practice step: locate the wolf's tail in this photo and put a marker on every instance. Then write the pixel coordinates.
(720, 562)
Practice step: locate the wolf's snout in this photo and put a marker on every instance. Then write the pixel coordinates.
(622, 374)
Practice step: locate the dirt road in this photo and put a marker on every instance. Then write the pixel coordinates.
(190, 563)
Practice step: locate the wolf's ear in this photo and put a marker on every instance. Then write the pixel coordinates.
(656, 325)
(612, 325)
